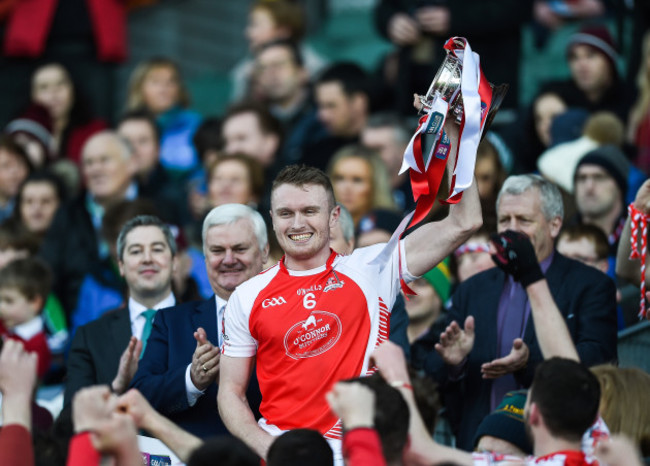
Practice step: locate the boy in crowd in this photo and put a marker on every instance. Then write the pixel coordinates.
(24, 286)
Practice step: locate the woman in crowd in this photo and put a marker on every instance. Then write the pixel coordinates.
(156, 85)
(72, 121)
(360, 181)
(14, 168)
(237, 179)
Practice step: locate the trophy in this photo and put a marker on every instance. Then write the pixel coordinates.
(446, 85)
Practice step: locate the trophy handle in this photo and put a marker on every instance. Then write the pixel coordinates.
(498, 94)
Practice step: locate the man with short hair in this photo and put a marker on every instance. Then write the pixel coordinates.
(585, 243)
(284, 83)
(248, 128)
(497, 350)
(140, 129)
(341, 94)
(146, 252)
(179, 370)
(314, 318)
(600, 186)
(73, 244)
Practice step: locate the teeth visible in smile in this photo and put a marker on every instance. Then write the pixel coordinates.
(302, 237)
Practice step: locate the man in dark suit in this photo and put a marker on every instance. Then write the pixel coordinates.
(146, 251)
(497, 350)
(180, 367)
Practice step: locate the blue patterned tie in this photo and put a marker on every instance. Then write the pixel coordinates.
(148, 325)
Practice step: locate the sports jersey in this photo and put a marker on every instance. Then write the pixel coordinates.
(560, 458)
(309, 330)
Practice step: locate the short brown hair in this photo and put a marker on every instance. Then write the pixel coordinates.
(286, 14)
(13, 235)
(301, 175)
(31, 277)
(591, 233)
(253, 167)
(268, 123)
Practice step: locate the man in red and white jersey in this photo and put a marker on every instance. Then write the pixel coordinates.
(315, 317)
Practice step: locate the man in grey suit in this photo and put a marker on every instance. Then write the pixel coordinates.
(107, 350)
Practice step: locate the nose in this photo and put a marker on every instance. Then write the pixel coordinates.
(147, 256)
(297, 221)
(229, 257)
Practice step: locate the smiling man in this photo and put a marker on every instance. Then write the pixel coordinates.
(179, 369)
(147, 257)
(314, 318)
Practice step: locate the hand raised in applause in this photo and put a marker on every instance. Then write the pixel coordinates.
(128, 366)
(517, 359)
(456, 343)
(205, 361)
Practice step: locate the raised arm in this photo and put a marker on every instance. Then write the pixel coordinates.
(233, 405)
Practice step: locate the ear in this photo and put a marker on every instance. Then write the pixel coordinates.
(534, 415)
(360, 102)
(120, 265)
(37, 303)
(556, 226)
(334, 215)
(265, 253)
(175, 261)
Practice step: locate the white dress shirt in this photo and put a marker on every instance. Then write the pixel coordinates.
(138, 320)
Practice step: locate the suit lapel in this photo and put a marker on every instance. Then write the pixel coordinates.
(204, 315)
(120, 330)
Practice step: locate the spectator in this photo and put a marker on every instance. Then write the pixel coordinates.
(268, 22)
(73, 245)
(473, 256)
(377, 226)
(38, 199)
(490, 175)
(179, 370)
(72, 122)
(638, 128)
(595, 82)
(33, 131)
(237, 179)
(284, 83)
(140, 129)
(107, 350)
(498, 347)
(388, 135)
(156, 85)
(14, 169)
(360, 181)
(343, 105)
(24, 286)
(432, 292)
(585, 243)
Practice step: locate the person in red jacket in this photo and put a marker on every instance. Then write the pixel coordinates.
(24, 286)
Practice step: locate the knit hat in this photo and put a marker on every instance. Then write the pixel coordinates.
(599, 38)
(379, 219)
(35, 122)
(506, 422)
(440, 279)
(612, 160)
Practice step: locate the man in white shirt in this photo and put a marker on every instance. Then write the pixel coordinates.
(180, 367)
(146, 252)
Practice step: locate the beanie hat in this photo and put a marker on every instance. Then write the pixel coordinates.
(440, 279)
(36, 122)
(612, 160)
(507, 423)
(599, 38)
(380, 219)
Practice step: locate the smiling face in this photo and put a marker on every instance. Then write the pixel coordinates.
(161, 89)
(147, 264)
(232, 256)
(523, 213)
(302, 217)
(107, 170)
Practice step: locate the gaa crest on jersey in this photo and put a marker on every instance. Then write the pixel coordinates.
(313, 336)
(333, 283)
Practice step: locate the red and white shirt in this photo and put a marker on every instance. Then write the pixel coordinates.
(311, 329)
(560, 458)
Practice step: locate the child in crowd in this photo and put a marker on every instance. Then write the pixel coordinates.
(24, 286)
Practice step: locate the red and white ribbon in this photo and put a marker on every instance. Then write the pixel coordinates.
(639, 228)
(427, 169)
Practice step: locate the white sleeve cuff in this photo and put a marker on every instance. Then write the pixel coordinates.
(193, 393)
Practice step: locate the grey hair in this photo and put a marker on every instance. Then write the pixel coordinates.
(347, 224)
(227, 214)
(126, 149)
(402, 130)
(549, 194)
(145, 221)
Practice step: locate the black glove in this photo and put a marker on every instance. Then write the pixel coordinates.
(516, 256)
